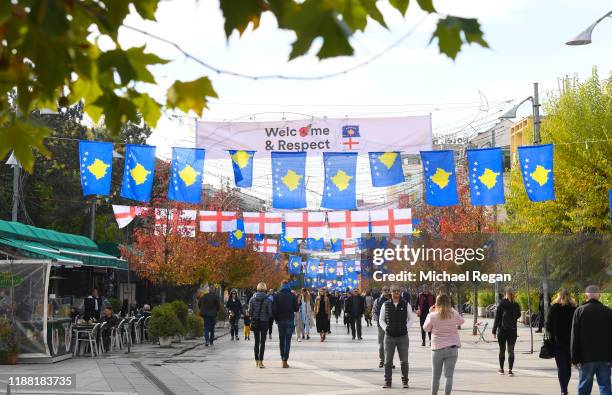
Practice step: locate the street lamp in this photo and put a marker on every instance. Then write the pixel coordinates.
(536, 112)
(584, 38)
(12, 161)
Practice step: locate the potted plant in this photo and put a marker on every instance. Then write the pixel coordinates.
(9, 343)
(195, 326)
(164, 325)
(181, 311)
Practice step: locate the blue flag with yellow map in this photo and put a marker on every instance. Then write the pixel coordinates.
(386, 168)
(312, 267)
(315, 244)
(339, 188)
(537, 170)
(336, 245)
(96, 164)
(186, 175)
(288, 244)
(138, 172)
(330, 266)
(242, 163)
(349, 267)
(485, 169)
(294, 266)
(308, 282)
(288, 180)
(321, 281)
(237, 238)
(351, 280)
(440, 178)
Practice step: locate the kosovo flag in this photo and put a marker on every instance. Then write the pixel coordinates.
(186, 178)
(486, 176)
(440, 178)
(366, 268)
(321, 281)
(312, 267)
(138, 172)
(336, 245)
(96, 159)
(330, 266)
(352, 280)
(242, 162)
(289, 187)
(237, 238)
(349, 267)
(367, 242)
(386, 168)
(339, 189)
(308, 282)
(294, 265)
(537, 170)
(350, 131)
(315, 244)
(288, 244)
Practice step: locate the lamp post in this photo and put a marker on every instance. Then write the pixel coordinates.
(12, 161)
(584, 38)
(535, 100)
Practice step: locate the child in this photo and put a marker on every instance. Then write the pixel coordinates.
(247, 326)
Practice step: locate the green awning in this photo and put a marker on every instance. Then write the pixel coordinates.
(64, 248)
(34, 252)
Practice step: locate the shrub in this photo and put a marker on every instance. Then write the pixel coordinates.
(521, 298)
(9, 341)
(164, 322)
(115, 304)
(485, 298)
(181, 310)
(195, 325)
(606, 298)
(222, 314)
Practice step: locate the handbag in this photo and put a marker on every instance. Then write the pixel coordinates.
(547, 351)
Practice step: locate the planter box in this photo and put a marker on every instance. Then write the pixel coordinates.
(165, 342)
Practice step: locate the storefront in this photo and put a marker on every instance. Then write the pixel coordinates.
(44, 278)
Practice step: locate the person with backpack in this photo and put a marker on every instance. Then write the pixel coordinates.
(504, 328)
(559, 326)
(260, 311)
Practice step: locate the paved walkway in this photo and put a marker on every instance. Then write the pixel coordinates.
(338, 366)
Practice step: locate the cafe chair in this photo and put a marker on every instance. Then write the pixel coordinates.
(115, 337)
(132, 330)
(145, 329)
(139, 325)
(89, 337)
(101, 348)
(124, 332)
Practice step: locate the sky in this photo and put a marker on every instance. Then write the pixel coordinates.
(527, 40)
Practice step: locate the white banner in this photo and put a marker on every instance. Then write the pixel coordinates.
(317, 135)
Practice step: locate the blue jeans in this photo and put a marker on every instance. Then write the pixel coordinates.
(285, 332)
(209, 329)
(600, 369)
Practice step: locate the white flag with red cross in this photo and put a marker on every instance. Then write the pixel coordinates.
(218, 221)
(349, 247)
(173, 220)
(391, 221)
(348, 224)
(266, 245)
(303, 225)
(262, 223)
(126, 214)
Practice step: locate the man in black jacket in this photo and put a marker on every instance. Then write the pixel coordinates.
(381, 332)
(355, 307)
(92, 306)
(209, 305)
(284, 306)
(591, 343)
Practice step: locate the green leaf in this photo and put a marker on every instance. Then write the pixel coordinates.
(22, 137)
(149, 108)
(373, 11)
(239, 13)
(354, 15)
(140, 60)
(190, 95)
(400, 5)
(426, 5)
(448, 33)
(117, 110)
(117, 60)
(146, 8)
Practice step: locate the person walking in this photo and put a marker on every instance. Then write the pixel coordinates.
(271, 321)
(559, 327)
(384, 296)
(322, 312)
(260, 311)
(369, 304)
(355, 307)
(591, 343)
(299, 327)
(395, 319)
(424, 301)
(247, 325)
(284, 306)
(234, 308)
(442, 324)
(209, 305)
(504, 328)
(337, 306)
(306, 313)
